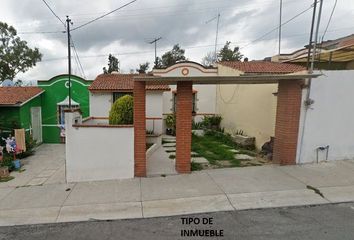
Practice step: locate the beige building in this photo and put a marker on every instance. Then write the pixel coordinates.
(337, 54)
(250, 108)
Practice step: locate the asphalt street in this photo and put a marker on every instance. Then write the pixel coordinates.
(329, 221)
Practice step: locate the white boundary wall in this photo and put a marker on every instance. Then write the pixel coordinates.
(98, 153)
(330, 120)
(101, 103)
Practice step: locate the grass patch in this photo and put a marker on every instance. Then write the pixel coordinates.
(210, 148)
(196, 166)
(172, 156)
(6, 179)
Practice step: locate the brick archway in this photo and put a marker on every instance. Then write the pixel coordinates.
(286, 126)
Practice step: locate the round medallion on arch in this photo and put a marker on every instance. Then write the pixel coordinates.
(67, 84)
(185, 71)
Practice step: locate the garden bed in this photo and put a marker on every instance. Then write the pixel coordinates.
(218, 150)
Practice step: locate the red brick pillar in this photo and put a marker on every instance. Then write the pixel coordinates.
(139, 130)
(184, 127)
(287, 122)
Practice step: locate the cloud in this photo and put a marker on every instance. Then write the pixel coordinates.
(127, 32)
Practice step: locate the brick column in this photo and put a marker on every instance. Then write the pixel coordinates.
(287, 122)
(139, 130)
(184, 127)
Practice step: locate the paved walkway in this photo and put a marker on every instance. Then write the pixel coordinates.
(40, 195)
(159, 163)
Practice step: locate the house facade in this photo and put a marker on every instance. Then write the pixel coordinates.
(21, 107)
(56, 99)
(250, 108)
(107, 88)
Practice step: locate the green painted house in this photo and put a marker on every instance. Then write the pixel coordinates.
(20, 107)
(55, 100)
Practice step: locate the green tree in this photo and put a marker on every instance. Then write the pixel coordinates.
(143, 67)
(122, 111)
(228, 54)
(15, 55)
(171, 57)
(113, 65)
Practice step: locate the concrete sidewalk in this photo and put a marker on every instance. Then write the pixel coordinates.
(24, 202)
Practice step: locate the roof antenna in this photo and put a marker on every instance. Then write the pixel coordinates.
(155, 41)
(217, 33)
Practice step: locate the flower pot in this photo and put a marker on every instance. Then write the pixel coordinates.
(17, 164)
(4, 172)
(169, 131)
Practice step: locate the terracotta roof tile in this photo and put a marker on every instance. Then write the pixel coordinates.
(120, 82)
(263, 67)
(17, 95)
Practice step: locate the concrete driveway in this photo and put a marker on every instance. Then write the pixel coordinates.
(40, 194)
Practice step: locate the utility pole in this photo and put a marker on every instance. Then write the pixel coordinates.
(68, 22)
(311, 34)
(316, 36)
(280, 16)
(155, 42)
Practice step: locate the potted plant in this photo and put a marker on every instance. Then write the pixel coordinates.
(171, 124)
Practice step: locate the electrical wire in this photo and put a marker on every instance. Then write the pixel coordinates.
(44, 32)
(329, 20)
(53, 12)
(102, 16)
(78, 59)
(274, 29)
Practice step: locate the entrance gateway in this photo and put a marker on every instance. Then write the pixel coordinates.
(184, 75)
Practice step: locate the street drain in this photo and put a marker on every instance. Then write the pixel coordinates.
(316, 190)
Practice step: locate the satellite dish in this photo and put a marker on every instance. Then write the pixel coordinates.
(7, 83)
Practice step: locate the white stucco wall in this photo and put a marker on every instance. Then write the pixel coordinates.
(247, 107)
(154, 106)
(205, 102)
(330, 120)
(98, 153)
(100, 104)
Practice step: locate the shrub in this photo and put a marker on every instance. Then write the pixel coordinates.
(171, 123)
(196, 166)
(7, 161)
(197, 125)
(212, 122)
(122, 111)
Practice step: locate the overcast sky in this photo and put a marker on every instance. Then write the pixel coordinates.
(126, 33)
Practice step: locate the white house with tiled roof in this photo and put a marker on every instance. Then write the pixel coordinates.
(107, 88)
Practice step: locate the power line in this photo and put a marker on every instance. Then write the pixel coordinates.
(329, 20)
(149, 14)
(78, 59)
(39, 32)
(104, 15)
(54, 12)
(274, 29)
